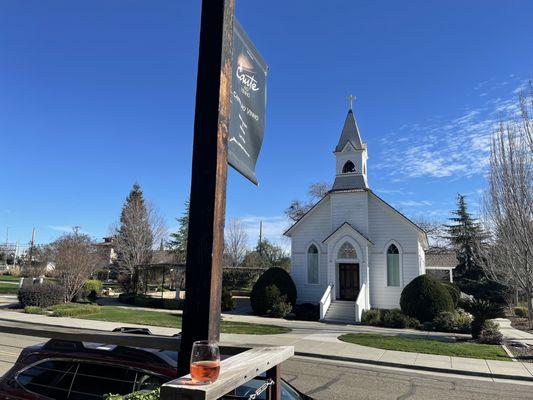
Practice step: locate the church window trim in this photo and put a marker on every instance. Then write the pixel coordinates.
(346, 247)
(348, 167)
(313, 264)
(393, 259)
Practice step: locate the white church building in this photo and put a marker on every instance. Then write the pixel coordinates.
(352, 250)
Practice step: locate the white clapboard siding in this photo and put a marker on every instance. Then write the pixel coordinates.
(313, 229)
(387, 226)
(351, 207)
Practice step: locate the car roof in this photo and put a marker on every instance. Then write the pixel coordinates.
(162, 358)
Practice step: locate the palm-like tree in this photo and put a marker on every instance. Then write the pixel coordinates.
(481, 310)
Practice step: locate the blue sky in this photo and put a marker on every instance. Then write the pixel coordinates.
(95, 95)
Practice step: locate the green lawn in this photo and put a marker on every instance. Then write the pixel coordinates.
(8, 288)
(155, 318)
(427, 346)
(9, 278)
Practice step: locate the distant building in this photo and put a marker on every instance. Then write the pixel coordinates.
(107, 251)
(440, 263)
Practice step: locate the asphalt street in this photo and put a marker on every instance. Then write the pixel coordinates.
(348, 381)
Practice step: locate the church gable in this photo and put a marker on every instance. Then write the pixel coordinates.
(386, 223)
(316, 219)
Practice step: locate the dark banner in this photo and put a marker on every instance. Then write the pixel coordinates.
(248, 104)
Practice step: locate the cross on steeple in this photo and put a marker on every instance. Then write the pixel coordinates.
(351, 99)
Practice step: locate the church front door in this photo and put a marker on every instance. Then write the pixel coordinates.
(348, 281)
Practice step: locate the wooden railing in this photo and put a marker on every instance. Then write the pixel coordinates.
(325, 301)
(360, 303)
(234, 372)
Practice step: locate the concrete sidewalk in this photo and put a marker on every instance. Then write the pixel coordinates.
(308, 326)
(511, 333)
(322, 345)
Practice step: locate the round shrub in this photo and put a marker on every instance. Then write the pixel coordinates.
(454, 291)
(227, 301)
(463, 321)
(43, 296)
(394, 319)
(424, 298)
(371, 317)
(412, 323)
(490, 334)
(445, 321)
(520, 312)
(280, 309)
(274, 276)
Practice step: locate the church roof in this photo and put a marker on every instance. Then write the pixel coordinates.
(350, 226)
(350, 133)
(349, 182)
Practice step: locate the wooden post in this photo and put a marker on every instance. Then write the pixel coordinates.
(201, 314)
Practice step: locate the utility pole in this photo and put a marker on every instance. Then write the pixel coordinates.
(7, 245)
(260, 238)
(31, 245)
(201, 313)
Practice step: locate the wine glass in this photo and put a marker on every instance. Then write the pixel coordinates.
(205, 361)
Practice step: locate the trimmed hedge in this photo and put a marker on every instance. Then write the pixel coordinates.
(274, 276)
(240, 278)
(389, 318)
(42, 296)
(424, 298)
(150, 302)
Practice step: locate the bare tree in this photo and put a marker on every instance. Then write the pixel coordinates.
(509, 207)
(75, 259)
(141, 228)
(435, 230)
(297, 208)
(525, 99)
(318, 190)
(236, 243)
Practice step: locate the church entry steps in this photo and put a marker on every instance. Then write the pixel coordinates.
(341, 311)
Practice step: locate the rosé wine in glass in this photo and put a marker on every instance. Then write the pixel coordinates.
(205, 361)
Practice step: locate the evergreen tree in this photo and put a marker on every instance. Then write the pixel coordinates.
(267, 254)
(134, 239)
(178, 239)
(466, 235)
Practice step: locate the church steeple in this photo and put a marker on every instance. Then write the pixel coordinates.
(350, 133)
(351, 156)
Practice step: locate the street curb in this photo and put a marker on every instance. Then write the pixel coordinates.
(415, 367)
(357, 360)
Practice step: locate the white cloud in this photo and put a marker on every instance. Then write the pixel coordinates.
(394, 191)
(414, 203)
(64, 229)
(447, 148)
(59, 228)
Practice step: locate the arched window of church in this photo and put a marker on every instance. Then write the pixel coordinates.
(348, 167)
(393, 266)
(347, 251)
(312, 264)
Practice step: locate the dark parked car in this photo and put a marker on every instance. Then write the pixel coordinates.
(64, 370)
